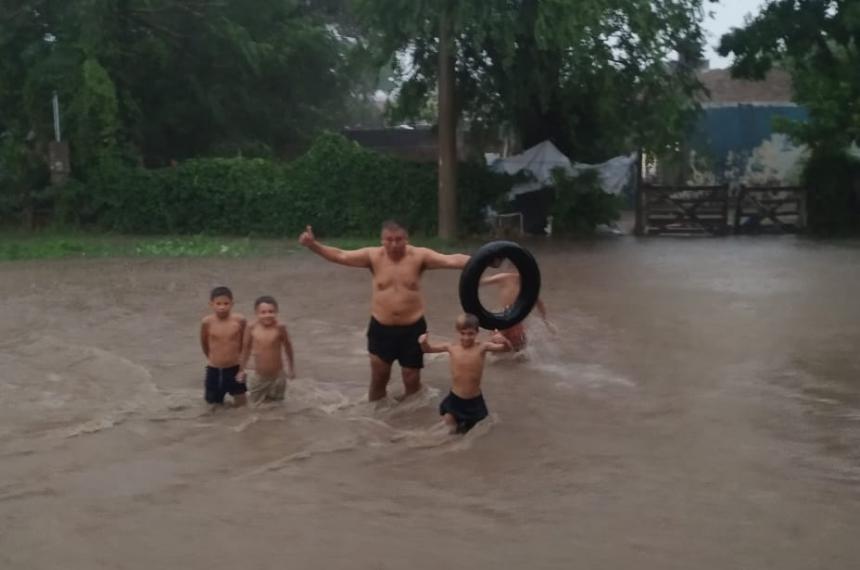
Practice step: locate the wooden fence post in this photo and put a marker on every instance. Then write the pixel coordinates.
(638, 197)
(803, 213)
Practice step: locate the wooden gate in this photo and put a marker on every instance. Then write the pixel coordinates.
(682, 210)
(770, 209)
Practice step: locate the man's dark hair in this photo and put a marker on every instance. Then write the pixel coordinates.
(393, 225)
(267, 299)
(221, 292)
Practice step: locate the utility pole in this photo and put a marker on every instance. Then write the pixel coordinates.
(58, 151)
(55, 105)
(447, 126)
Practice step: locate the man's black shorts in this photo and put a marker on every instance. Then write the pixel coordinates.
(397, 342)
(222, 381)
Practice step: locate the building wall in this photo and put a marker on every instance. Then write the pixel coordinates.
(413, 144)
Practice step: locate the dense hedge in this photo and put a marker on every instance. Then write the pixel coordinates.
(337, 186)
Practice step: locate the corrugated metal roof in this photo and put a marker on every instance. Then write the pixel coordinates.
(775, 88)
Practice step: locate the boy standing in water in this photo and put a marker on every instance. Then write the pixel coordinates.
(464, 406)
(221, 336)
(267, 339)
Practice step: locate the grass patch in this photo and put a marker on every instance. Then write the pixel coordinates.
(53, 245)
(19, 245)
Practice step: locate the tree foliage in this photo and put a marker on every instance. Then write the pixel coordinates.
(170, 79)
(591, 75)
(153, 81)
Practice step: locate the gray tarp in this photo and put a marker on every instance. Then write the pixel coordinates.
(539, 161)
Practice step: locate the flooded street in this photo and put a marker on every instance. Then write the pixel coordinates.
(698, 409)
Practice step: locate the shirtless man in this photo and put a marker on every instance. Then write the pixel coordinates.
(396, 304)
(221, 340)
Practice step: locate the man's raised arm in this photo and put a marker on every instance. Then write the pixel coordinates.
(435, 260)
(351, 258)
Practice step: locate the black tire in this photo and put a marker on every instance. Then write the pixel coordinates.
(470, 281)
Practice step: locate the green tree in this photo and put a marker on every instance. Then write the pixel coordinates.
(176, 78)
(591, 75)
(818, 43)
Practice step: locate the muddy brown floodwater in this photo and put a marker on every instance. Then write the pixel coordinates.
(698, 409)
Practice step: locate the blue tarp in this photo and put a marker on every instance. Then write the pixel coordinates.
(738, 130)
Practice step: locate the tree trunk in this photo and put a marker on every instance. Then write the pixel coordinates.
(447, 123)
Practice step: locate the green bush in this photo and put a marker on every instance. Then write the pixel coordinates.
(833, 205)
(580, 204)
(344, 189)
(337, 186)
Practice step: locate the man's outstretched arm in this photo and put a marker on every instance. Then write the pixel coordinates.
(351, 258)
(435, 260)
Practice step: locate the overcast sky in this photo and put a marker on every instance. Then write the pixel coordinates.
(727, 14)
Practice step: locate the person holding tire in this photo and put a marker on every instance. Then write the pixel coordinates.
(521, 289)
(508, 283)
(397, 302)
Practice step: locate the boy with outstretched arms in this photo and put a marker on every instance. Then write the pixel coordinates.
(464, 406)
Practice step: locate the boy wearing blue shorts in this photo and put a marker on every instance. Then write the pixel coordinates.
(221, 336)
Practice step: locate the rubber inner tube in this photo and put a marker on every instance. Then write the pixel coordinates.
(470, 281)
